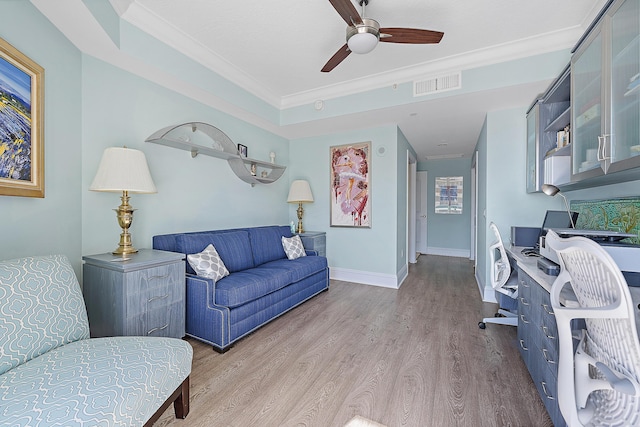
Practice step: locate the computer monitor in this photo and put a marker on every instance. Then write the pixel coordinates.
(557, 219)
(552, 219)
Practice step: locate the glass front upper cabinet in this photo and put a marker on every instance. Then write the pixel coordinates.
(586, 108)
(605, 92)
(625, 87)
(533, 182)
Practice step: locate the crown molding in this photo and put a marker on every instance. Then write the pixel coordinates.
(168, 34)
(540, 44)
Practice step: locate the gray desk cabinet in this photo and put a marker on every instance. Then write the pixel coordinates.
(143, 295)
(538, 342)
(315, 241)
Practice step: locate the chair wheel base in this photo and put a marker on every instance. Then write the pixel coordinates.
(481, 325)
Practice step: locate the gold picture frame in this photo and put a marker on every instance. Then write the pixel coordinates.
(21, 124)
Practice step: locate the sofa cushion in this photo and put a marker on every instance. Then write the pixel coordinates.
(116, 381)
(208, 264)
(266, 243)
(245, 286)
(293, 247)
(233, 246)
(42, 308)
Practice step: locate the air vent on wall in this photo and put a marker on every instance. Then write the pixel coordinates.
(437, 84)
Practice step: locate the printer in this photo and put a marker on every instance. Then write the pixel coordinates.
(625, 255)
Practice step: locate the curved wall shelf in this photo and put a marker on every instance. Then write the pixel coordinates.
(202, 138)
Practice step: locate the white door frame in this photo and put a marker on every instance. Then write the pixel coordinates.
(412, 167)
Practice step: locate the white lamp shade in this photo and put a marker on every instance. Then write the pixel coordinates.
(300, 192)
(123, 169)
(362, 43)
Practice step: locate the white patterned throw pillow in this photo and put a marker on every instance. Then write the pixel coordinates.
(208, 264)
(293, 247)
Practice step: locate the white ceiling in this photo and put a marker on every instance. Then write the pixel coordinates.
(275, 49)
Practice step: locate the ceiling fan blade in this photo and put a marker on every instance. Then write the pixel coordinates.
(336, 59)
(409, 35)
(348, 12)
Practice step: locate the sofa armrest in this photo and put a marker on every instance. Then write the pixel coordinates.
(311, 252)
(203, 288)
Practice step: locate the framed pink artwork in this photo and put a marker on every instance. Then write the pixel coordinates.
(351, 185)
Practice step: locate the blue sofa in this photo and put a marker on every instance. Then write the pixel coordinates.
(263, 283)
(52, 373)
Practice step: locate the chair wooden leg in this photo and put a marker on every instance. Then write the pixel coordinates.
(181, 404)
(180, 400)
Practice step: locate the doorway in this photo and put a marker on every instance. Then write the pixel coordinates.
(421, 211)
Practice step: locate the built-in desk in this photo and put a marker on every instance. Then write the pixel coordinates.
(537, 330)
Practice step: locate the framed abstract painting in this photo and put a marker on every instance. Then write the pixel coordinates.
(21, 124)
(351, 185)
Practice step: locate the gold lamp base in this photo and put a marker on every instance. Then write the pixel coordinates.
(124, 214)
(300, 211)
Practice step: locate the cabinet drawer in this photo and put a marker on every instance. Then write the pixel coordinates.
(154, 288)
(161, 322)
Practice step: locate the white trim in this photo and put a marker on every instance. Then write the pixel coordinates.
(459, 253)
(402, 274)
(517, 49)
(487, 293)
(365, 277)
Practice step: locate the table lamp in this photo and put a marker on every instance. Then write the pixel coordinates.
(552, 190)
(123, 169)
(300, 193)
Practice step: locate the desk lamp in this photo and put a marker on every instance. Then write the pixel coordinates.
(552, 190)
(123, 169)
(300, 193)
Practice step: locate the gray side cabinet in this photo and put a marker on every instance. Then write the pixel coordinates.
(315, 241)
(142, 294)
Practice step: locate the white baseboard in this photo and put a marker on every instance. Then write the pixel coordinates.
(487, 293)
(366, 278)
(458, 253)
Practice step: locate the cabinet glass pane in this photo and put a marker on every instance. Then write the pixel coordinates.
(625, 82)
(532, 161)
(586, 74)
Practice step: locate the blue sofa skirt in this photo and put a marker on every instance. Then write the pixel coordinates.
(221, 326)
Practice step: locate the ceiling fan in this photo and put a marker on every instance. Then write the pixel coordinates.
(363, 34)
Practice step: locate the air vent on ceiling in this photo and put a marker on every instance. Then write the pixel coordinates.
(437, 84)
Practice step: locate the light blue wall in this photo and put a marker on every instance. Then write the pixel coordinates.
(35, 226)
(200, 193)
(503, 198)
(448, 231)
(362, 249)
(404, 149)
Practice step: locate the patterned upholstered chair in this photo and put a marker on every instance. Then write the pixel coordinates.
(52, 373)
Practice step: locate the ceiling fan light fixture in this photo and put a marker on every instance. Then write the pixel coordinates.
(363, 38)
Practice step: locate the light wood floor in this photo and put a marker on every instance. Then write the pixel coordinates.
(408, 357)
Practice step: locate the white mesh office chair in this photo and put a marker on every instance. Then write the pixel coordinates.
(500, 282)
(599, 383)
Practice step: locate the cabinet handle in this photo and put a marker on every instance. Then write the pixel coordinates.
(158, 297)
(522, 345)
(161, 328)
(602, 147)
(159, 277)
(546, 332)
(523, 301)
(523, 319)
(524, 284)
(546, 393)
(545, 353)
(547, 309)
